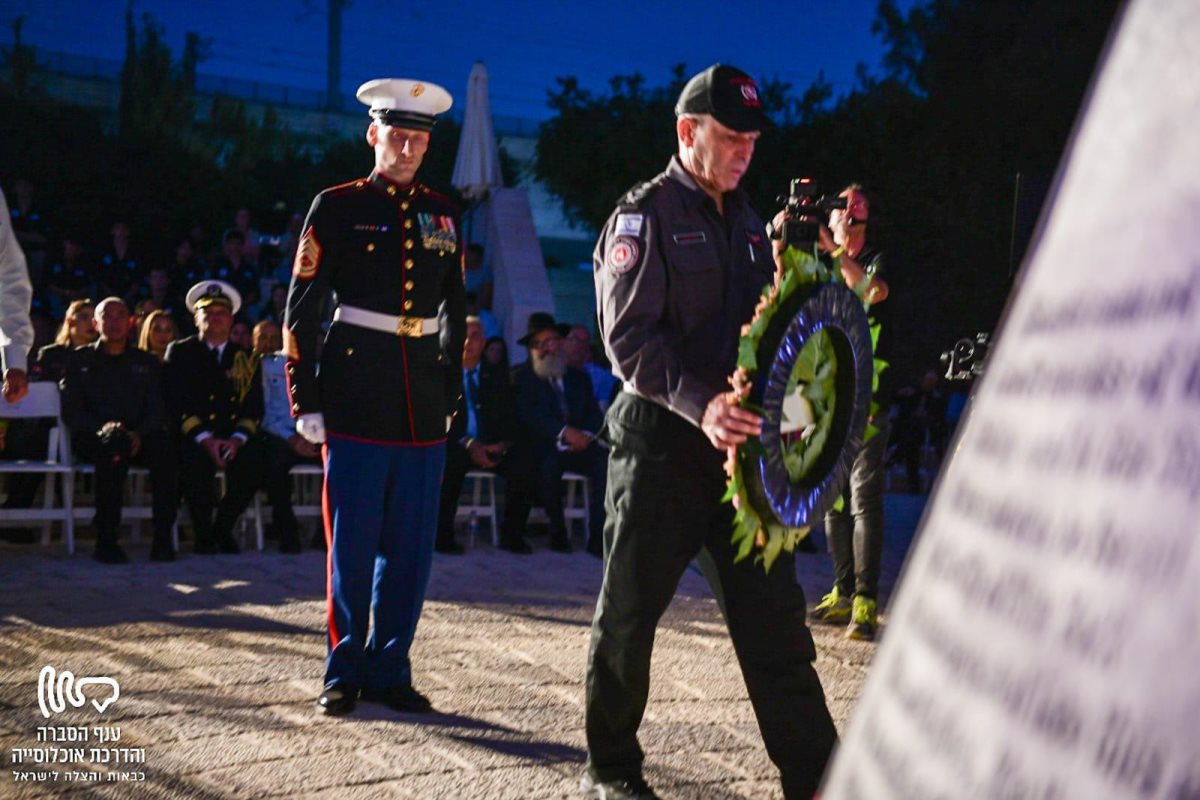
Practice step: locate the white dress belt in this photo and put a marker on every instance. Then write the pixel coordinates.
(400, 326)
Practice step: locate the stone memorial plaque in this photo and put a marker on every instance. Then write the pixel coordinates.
(1045, 641)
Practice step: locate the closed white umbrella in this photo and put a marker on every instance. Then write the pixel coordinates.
(477, 166)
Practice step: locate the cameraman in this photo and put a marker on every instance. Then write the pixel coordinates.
(113, 402)
(855, 533)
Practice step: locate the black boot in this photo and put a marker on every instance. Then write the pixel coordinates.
(162, 549)
(107, 549)
(289, 541)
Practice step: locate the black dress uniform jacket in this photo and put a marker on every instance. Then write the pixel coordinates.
(394, 250)
(676, 280)
(127, 388)
(221, 399)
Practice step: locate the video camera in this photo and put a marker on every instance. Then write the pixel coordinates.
(804, 212)
(965, 360)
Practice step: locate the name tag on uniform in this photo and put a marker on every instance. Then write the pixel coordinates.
(629, 224)
(695, 237)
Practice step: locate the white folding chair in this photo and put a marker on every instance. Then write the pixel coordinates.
(43, 402)
(307, 487)
(483, 503)
(577, 504)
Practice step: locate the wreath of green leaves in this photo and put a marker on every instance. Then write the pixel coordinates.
(816, 368)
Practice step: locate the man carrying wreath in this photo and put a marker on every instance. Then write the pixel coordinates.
(679, 268)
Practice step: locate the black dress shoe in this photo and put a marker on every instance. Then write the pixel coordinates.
(518, 546)
(318, 541)
(595, 546)
(19, 535)
(162, 552)
(336, 701)
(204, 547)
(228, 545)
(449, 547)
(110, 553)
(628, 789)
(290, 544)
(560, 544)
(404, 699)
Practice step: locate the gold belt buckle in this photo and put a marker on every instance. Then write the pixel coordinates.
(409, 326)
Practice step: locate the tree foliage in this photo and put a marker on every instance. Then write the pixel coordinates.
(170, 159)
(971, 93)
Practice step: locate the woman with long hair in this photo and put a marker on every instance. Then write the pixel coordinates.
(158, 331)
(78, 328)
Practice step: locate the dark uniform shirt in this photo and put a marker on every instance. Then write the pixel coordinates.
(100, 387)
(52, 362)
(394, 250)
(120, 275)
(244, 277)
(206, 396)
(675, 282)
(73, 280)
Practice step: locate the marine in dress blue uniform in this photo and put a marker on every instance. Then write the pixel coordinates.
(381, 395)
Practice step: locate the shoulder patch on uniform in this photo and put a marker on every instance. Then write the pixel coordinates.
(623, 254)
(308, 256)
(640, 193)
(629, 224)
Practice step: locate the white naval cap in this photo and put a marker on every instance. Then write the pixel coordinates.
(404, 103)
(206, 293)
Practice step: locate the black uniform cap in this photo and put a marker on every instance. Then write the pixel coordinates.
(729, 95)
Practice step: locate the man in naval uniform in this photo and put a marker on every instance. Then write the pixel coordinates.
(382, 393)
(215, 394)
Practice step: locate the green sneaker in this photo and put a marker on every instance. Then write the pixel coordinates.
(862, 620)
(832, 610)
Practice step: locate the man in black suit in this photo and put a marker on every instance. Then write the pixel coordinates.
(559, 419)
(214, 390)
(484, 436)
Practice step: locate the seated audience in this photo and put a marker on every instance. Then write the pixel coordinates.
(490, 322)
(578, 348)
(240, 333)
(284, 447)
(477, 277)
(559, 419)
(113, 402)
(276, 304)
(158, 288)
(483, 436)
(187, 268)
(157, 331)
(215, 394)
(120, 273)
(78, 329)
(236, 267)
(495, 353)
(71, 278)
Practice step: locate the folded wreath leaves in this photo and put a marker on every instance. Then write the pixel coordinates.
(816, 368)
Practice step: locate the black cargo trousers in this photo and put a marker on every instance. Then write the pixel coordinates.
(664, 508)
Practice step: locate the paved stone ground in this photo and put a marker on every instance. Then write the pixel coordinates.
(219, 660)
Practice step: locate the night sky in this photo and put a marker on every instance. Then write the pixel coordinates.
(524, 44)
